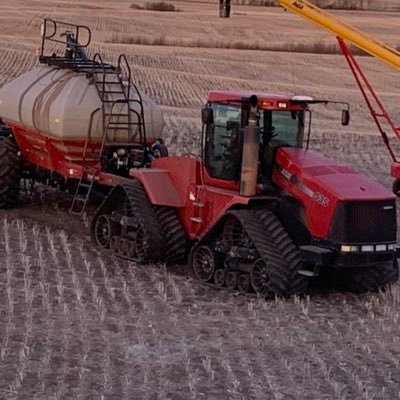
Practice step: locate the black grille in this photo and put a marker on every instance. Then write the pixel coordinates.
(364, 222)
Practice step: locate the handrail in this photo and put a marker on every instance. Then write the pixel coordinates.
(56, 26)
(123, 60)
(100, 64)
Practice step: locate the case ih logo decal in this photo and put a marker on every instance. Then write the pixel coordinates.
(316, 196)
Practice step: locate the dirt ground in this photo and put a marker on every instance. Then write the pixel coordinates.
(79, 323)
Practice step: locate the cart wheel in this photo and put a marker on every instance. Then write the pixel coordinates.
(159, 149)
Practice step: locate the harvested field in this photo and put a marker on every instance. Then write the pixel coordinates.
(78, 323)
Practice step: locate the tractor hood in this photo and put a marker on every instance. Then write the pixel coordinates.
(321, 184)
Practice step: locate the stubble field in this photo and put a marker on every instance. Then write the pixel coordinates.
(79, 323)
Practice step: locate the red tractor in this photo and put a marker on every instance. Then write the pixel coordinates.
(256, 212)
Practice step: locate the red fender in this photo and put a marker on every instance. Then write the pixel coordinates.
(159, 186)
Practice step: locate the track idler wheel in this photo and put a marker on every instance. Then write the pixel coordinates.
(203, 263)
(104, 230)
(243, 283)
(231, 280)
(259, 276)
(219, 277)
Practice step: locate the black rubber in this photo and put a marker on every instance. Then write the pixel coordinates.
(10, 172)
(271, 242)
(159, 150)
(133, 199)
(174, 234)
(370, 279)
(298, 284)
(396, 187)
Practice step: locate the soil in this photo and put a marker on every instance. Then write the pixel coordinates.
(76, 322)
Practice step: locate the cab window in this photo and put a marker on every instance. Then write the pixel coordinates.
(283, 128)
(223, 150)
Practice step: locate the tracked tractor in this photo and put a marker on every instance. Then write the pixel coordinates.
(257, 212)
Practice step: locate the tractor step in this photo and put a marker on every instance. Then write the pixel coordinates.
(116, 123)
(122, 128)
(306, 272)
(109, 101)
(110, 83)
(111, 92)
(116, 115)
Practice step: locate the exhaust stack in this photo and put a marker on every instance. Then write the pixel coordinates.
(248, 178)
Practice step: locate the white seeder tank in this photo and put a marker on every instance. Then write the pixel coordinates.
(58, 103)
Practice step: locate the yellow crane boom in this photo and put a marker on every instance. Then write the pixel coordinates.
(346, 31)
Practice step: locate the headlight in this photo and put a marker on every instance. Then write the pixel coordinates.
(381, 247)
(348, 249)
(121, 152)
(367, 247)
(391, 246)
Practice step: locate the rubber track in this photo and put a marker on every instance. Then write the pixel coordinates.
(10, 173)
(139, 205)
(270, 241)
(173, 230)
(288, 250)
(373, 278)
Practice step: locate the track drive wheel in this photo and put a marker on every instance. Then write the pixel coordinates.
(10, 172)
(361, 280)
(104, 230)
(202, 262)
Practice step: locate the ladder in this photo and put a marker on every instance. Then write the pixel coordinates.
(114, 90)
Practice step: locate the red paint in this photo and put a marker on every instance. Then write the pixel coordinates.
(375, 106)
(312, 172)
(266, 101)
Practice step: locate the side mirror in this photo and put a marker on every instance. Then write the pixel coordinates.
(207, 116)
(345, 117)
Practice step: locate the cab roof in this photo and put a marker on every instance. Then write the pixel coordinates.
(266, 100)
(229, 95)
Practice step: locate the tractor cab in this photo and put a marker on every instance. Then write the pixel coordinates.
(279, 121)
